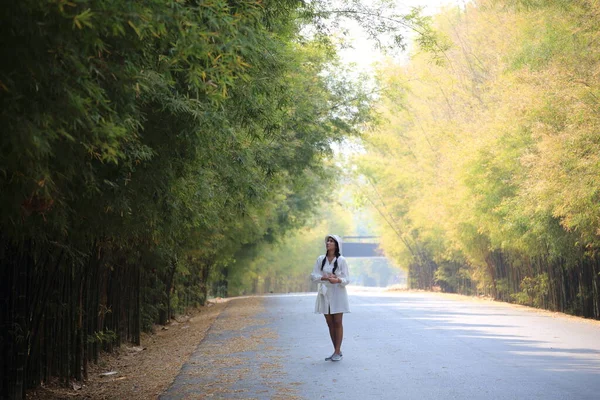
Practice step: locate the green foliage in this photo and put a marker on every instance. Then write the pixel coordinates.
(482, 168)
(285, 265)
(145, 146)
(534, 291)
(454, 277)
(102, 337)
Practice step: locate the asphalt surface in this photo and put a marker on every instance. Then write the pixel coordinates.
(413, 346)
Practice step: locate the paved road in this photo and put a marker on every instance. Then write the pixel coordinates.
(417, 346)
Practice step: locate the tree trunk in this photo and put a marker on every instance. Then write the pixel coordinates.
(169, 286)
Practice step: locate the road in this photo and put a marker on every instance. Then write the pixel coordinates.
(405, 345)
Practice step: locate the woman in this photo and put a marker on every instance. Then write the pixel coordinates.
(331, 272)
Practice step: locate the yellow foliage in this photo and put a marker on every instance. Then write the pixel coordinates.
(496, 147)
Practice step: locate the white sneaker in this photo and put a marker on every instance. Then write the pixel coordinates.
(336, 357)
(331, 357)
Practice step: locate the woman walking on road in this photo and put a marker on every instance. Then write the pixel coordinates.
(331, 272)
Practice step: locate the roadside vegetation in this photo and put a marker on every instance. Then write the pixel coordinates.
(483, 163)
(155, 154)
(144, 145)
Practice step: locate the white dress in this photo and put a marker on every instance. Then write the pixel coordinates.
(332, 298)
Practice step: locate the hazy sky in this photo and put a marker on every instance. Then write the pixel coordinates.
(363, 52)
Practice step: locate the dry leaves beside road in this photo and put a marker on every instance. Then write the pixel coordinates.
(141, 372)
(238, 359)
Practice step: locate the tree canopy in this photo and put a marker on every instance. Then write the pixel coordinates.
(145, 145)
(483, 166)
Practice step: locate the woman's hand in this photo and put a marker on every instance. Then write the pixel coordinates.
(334, 279)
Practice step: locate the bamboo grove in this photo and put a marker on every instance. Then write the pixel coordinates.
(282, 267)
(143, 146)
(484, 163)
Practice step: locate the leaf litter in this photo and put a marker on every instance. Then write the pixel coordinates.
(146, 371)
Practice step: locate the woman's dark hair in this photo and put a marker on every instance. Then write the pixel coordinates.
(337, 254)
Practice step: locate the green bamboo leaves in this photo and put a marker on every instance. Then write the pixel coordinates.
(144, 146)
(485, 166)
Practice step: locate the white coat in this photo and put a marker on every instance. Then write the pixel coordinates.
(332, 298)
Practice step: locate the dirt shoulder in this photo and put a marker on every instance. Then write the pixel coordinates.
(142, 372)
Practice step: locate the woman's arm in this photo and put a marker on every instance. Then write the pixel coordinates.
(317, 274)
(343, 274)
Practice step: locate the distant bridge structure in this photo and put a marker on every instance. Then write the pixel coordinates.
(361, 246)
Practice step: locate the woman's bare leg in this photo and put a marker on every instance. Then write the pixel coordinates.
(330, 325)
(338, 334)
